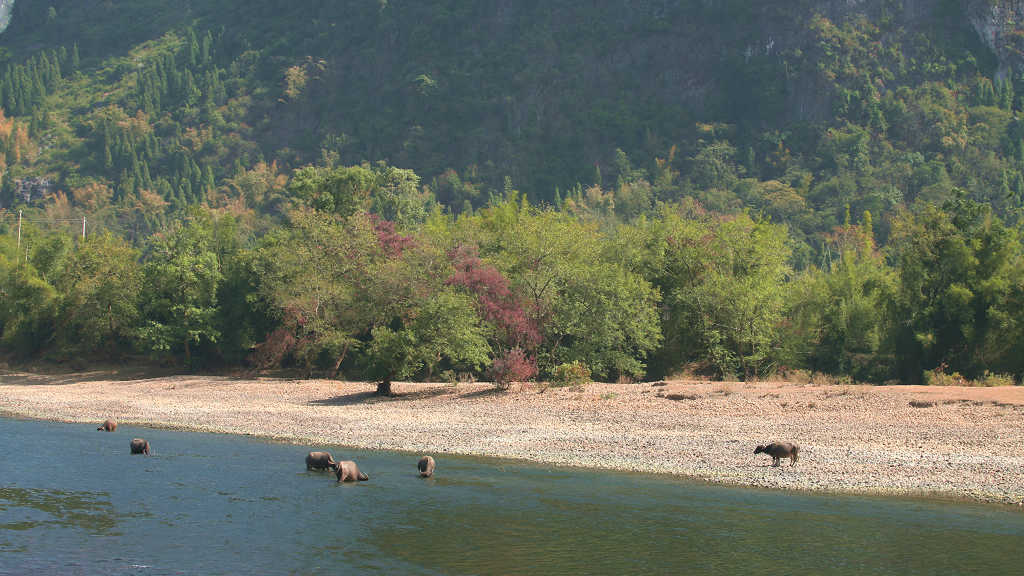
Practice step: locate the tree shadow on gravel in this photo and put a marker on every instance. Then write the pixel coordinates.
(372, 398)
(485, 393)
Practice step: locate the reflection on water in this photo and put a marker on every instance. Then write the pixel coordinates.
(87, 511)
(214, 504)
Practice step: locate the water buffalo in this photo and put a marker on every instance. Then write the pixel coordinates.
(140, 446)
(347, 471)
(426, 467)
(320, 461)
(778, 450)
(108, 426)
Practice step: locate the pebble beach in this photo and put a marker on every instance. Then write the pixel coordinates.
(948, 442)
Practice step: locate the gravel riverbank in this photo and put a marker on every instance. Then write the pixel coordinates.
(908, 440)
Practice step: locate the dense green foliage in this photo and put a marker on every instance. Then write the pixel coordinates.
(630, 189)
(531, 291)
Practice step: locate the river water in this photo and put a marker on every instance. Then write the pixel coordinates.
(72, 500)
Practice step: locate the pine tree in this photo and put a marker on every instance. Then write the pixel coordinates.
(1006, 94)
(193, 49)
(869, 233)
(205, 51)
(208, 181)
(108, 158)
(57, 75)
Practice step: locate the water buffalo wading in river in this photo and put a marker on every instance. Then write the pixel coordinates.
(426, 467)
(140, 446)
(347, 471)
(108, 426)
(320, 461)
(778, 450)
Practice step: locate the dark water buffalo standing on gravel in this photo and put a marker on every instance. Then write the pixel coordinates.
(108, 426)
(778, 450)
(140, 446)
(426, 467)
(320, 461)
(347, 471)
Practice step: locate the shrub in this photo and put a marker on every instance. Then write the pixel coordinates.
(573, 373)
(823, 379)
(513, 366)
(990, 379)
(795, 376)
(938, 377)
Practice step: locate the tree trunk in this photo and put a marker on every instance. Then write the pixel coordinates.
(188, 354)
(337, 365)
(384, 386)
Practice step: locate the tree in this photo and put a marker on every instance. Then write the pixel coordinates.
(417, 319)
(397, 196)
(440, 328)
(839, 318)
(583, 302)
(341, 191)
(28, 303)
(392, 193)
(317, 268)
(180, 284)
(724, 288)
(101, 288)
(957, 266)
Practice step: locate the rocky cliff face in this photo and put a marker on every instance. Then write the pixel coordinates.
(1000, 25)
(5, 13)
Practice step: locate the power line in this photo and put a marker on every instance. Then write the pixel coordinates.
(44, 220)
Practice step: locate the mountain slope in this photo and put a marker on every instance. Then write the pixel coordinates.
(834, 99)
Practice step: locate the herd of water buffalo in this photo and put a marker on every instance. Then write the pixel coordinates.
(348, 470)
(345, 470)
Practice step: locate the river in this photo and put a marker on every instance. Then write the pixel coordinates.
(73, 500)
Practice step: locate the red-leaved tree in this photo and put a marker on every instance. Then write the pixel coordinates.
(517, 333)
(390, 241)
(496, 303)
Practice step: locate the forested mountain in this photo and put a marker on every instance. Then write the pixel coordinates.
(866, 155)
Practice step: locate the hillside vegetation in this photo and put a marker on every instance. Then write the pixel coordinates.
(397, 189)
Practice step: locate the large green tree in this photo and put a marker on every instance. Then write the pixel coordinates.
(314, 271)
(28, 303)
(724, 282)
(101, 288)
(839, 319)
(180, 282)
(958, 270)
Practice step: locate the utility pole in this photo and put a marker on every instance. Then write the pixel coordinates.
(83, 227)
(19, 231)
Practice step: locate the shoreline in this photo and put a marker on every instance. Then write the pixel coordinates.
(949, 443)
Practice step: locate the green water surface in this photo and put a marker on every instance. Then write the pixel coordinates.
(72, 500)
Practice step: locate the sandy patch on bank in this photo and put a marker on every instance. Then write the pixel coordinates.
(957, 442)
